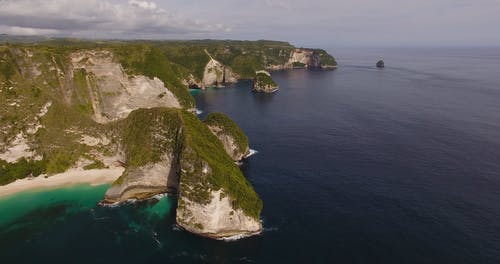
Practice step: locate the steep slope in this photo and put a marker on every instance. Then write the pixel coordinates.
(113, 93)
(243, 58)
(233, 139)
(309, 58)
(215, 199)
(54, 97)
(151, 142)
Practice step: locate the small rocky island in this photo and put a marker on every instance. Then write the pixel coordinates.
(263, 83)
(380, 64)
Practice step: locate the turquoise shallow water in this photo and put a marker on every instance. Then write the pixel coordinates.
(37, 221)
(75, 199)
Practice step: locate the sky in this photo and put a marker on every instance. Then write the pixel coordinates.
(301, 22)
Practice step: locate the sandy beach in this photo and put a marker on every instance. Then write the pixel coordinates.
(70, 177)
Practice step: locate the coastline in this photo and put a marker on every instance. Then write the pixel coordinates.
(68, 178)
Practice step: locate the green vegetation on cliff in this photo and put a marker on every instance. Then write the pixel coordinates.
(229, 127)
(297, 64)
(37, 105)
(150, 133)
(151, 61)
(264, 80)
(81, 91)
(10, 172)
(326, 59)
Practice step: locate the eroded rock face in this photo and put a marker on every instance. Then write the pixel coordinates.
(229, 143)
(144, 182)
(307, 58)
(112, 92)
(233, 139)
(150, 141)
(216, 219)
(206, 210)
(217, 74)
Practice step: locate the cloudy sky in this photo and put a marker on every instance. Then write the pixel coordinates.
(302, 22)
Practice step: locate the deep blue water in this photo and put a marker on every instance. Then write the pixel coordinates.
(356, 165)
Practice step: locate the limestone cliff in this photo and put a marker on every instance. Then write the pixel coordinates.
(216, 74)
(150, 141)
(215, 199)
(218, 62)
(217, 218)
(307, 58)
(233, 139)
(113, 94)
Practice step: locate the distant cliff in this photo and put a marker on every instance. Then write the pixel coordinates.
(216, 63)
(307, 58)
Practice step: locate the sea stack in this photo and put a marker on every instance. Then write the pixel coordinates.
(263, 83)
(380, 64)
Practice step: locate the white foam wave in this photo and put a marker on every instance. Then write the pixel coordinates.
(109, 205)
(236, 237)
(155, 238)
(270, 229)
(251, 153)
(198, 111)
(159, 196)
(132, 201)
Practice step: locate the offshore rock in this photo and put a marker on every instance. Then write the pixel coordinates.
(263, 83)
(380, 64)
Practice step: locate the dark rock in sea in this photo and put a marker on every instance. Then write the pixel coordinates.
(380, 64)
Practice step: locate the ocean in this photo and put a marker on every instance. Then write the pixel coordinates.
(355, 165)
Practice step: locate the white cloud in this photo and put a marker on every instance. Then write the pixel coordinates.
(27, 31)
(356, 22)
(97, 18)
